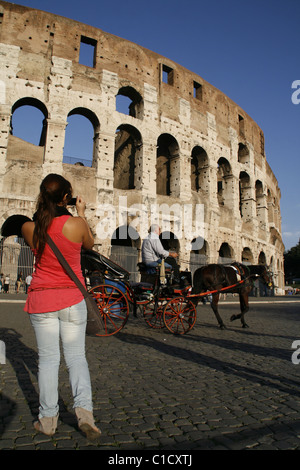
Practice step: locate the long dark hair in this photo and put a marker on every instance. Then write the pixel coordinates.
(53, 189)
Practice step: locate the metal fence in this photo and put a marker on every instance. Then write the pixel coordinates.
(16, 259)
(196, 261)
(128, 258)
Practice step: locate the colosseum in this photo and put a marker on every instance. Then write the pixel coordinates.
(183, 153)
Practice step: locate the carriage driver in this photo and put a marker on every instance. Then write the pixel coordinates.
(153, 251)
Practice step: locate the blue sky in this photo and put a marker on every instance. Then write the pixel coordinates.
(248, 49)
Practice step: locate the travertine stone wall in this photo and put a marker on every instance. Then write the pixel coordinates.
(190, 144)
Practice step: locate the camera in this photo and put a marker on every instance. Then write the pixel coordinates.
(72, 201)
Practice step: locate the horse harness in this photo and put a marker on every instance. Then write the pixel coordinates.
(241, 270)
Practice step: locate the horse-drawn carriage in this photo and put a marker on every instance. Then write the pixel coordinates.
(162, 300)
(116, 296)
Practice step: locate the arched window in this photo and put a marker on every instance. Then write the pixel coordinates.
(224, 190)
(82, 128)
(260, 203)
(130, 102)
(199, 246)
(244, 196)
(199, 253)
(128, 145)
(258, 189)
(166, 165)
(243, 154)
(199, 170)
(270, 202)
(29, 121)
(262, 258)
(226, 253)
(125, 243)
(247, 256)
(169, 241)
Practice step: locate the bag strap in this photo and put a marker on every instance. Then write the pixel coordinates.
(94, 318)
(66, 266)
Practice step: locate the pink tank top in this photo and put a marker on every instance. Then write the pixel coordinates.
(51, 287)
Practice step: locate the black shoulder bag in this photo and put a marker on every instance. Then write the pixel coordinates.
(94, 321)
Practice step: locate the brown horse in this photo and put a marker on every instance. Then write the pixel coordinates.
(215, 277)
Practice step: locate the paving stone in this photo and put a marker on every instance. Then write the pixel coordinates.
(6, 444)
(211, 389)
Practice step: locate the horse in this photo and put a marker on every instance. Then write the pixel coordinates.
(237, 277)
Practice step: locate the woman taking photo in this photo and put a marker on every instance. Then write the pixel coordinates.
(56, 306)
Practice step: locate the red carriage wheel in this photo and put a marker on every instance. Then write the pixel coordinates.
(179, 315)
(113, 307)
(153, 313)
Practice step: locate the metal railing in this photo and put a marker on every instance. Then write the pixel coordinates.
(127, 257)
(16, 259)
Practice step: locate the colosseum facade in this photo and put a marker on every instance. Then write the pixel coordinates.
(184, 152)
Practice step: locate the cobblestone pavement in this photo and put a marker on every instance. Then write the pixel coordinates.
(210, 389)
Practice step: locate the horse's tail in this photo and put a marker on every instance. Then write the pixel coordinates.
(198, 283)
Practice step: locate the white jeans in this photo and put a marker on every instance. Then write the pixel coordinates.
(68, 324)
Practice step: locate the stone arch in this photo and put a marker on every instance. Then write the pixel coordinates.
(243, 153)
(259, 191)
(276, 212)
(125, 235)
(30, 104)
(200, 246)
(270, 202)
(199, 169)
(224, 175)
(247, 256)
(260, 202)
(166, 163)
(125, 245)
(16, 256)
(199, 253)
(133, 54)
(127, 156)
(130, 97)
(169, 241)
(78, 129)
(262, 258)
(226, 253)
(13, 224)
(244, 195)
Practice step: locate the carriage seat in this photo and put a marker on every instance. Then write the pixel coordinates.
(151, 270)
(140, 285)
(151, 275)
(96, 277)
(178, 290)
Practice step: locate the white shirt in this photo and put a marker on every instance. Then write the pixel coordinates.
(152, 249)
